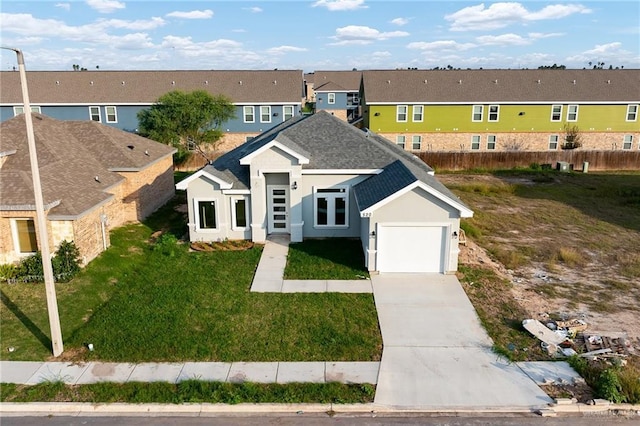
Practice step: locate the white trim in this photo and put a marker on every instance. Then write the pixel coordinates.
(236, 191)
(473, 137)
(331, 98)
(196, 214)
(16, 238)
(555, 141)
(284, 114)
(341, 171)
(497, 113)
(473, 113)
(268, 114)
(406, 113)
(246, 160)
(244, 114)
(464, 211)
(183, 184)
(628, 141)
(99, 120)
(413, 142)
(106, 113)
(331, 197)
(522, 102)
(247, 216)
(413, 113)
(34, 108)
(628, 111)
(559, 114)
(148, 104)
(569, 112)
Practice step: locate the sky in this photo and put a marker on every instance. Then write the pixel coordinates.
(318, 34)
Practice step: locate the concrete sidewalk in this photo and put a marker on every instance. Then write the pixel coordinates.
(32, 373)
(269, 276)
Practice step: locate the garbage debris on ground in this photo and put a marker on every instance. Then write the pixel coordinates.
(564, 338)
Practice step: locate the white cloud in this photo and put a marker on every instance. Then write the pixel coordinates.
(500, 15)
(503, 40)
(441, 45)
(139, 25)
(537, 36)
(105, 6)
(356, 34)
(193, 14)
(399, 21)
(340, 5)
(254, 9)
(65, 6)
(281, 50)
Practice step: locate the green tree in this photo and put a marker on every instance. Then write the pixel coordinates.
(187, 121)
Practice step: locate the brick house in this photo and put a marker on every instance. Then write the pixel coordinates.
(94, 178)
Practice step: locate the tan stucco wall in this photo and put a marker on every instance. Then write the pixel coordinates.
(514, 141)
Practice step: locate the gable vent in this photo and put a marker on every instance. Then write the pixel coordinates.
(240, 82)
(57, 82)
(388, 81)
(275, 81)
(574, 82)
(425, 82)
(538, 81)
(459, 81)
(495, 81)
(173, 83)
(608, 81)
(91, 83)
(123, 83)
(206, 82)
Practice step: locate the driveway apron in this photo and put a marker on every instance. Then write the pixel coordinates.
(436, 353)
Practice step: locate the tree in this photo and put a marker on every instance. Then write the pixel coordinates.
(572, 138)
(187, 121)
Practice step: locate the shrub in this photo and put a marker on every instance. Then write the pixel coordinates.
(30, 269)
(8, 272)
(66, 262)
(570, 256)
(166, 244)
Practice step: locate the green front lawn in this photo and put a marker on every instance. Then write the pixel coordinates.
(136, 304)
(326, 259)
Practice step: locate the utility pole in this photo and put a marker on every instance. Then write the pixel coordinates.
(49, 282)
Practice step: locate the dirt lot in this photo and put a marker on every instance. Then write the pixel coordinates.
(569, 244)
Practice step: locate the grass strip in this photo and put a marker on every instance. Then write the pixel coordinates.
(190, 391)
(326, 259)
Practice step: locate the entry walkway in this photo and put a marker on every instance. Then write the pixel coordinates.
(269, 276)
(437, 355)
(32, 373)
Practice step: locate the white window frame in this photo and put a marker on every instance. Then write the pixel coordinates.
(416, 140)
(16, 238)
(19, 109)
(92, 110)
(495, 114)
(417, 110)
(574, 113)
(115, 114)
(491, 142)
(632, 111)
(331, 197)
(286, 114)
(554, 142)
(401, 141)
(477, 110)
(196, 214)
(402, 110)
(555, 113)
(249, 111)
(234, 217)
(627, 142)
(265, 110)
(475, 142)
(331, 98)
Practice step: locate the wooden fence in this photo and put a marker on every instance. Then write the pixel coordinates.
(598, 160)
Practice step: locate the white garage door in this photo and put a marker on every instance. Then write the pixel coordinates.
(411, 248)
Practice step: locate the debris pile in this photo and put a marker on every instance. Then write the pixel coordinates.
(570, 337)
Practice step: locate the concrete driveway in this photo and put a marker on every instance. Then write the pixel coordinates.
(437, 355)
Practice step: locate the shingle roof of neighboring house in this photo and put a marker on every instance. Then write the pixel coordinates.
(145, 87)
(482, 86)
(340, 80)
(71, 154)
(331, 143)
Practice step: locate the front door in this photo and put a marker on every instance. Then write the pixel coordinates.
(278, 208)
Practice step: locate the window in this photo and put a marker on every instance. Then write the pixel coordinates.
(572, 113)
(556, 112)
(400, 140)
(401, 113)
(24, 236)
(553, 142)
(418, 111)
(17, 110)
(416, 142)
(475, 142)
(627, 143)
(494, 112)
(248, 138)
(287, 112)
(632, 112)
(477, 113)
(239, 214)
(112, 117)
(249, 114)
(331, 206)
(94, 113)
(206, 215)
(491, 142)
(265, 114)
(331, 98)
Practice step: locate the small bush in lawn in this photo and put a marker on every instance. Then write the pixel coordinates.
(166, 244)
(30, 269)
(66, 262)
(8, 272)
(570, 256)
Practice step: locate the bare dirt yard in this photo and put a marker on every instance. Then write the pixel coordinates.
(568, 243)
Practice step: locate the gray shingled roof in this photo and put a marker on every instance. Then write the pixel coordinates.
(331, 143)
(145, 87)
(345, 80)
(70, 155)
(482, 86)
(393, 178)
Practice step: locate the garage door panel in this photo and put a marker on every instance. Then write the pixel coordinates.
(411, 248)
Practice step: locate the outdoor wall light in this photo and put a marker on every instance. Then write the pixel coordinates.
(377, 114)
(294, 185)
(521, 113)
(372, 234)
(454, 235)
(275, 114)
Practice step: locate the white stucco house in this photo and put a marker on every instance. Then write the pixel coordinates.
(319, 177)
